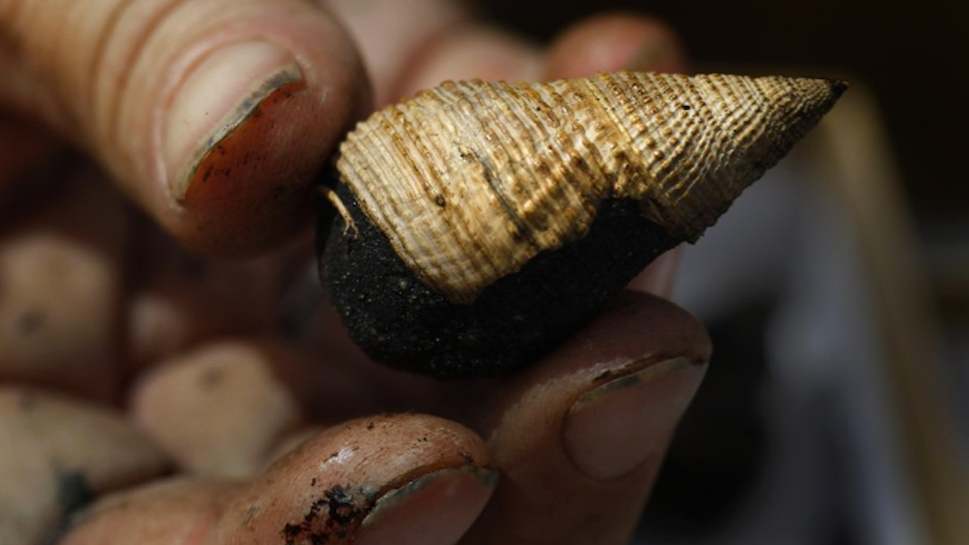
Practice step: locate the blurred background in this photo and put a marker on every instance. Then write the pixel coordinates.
(835, 410)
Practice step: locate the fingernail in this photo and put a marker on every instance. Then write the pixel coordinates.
(434, 509)
(616, 426)
(218, 96)
(658, 55)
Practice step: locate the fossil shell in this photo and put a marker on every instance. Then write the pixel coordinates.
(467, 184)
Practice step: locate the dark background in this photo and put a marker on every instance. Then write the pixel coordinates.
(914, 56)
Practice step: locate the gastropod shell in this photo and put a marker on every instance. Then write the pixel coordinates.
(471, 228)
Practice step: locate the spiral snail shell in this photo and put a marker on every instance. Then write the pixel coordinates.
(471, 228)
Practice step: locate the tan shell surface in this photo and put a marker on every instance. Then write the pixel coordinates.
(470, 180)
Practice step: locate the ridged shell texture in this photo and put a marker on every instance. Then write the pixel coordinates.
(470, 180)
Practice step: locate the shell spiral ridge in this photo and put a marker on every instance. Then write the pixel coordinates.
(470, 180)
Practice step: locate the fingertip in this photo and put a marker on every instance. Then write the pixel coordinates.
(246, 135)
(418, 441)
(612, 42)
(416, 478)
(393, 35)
(434, 509)
(628, 416)
(659, 278)
(585, 429)
(472, 52)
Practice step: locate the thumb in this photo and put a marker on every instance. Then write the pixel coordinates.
(215, 115)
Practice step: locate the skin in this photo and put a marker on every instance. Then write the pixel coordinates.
(233, 375)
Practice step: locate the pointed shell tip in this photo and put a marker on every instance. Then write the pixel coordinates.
(838, 87)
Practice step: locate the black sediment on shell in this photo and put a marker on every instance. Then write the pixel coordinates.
(400, 322)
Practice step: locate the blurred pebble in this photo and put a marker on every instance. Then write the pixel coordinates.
(61, 287)
(228, 407)
(221, 408)
(58, 454)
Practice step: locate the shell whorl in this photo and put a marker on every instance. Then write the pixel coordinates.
(470, 180)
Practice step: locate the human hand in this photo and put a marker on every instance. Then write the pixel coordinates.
(91, 297)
